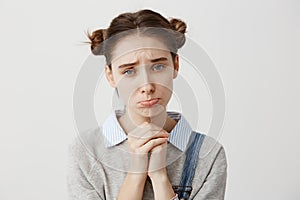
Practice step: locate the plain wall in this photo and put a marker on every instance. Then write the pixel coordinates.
(254, 44)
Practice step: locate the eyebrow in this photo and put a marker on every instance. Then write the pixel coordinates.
(134, 63)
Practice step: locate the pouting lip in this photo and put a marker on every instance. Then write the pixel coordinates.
(148, 100)
(149, 103)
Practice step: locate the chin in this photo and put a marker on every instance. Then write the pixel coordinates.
(152, 111)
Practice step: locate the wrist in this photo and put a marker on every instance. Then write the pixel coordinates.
(162, 187)
(159, 175)
(138, 164)
(137, 178)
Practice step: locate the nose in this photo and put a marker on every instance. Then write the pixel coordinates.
(148, 88)
(146, 85)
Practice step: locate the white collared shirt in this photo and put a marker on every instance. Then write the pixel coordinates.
(114, 134)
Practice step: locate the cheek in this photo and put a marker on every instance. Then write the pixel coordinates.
(126, 89)
(165, 81)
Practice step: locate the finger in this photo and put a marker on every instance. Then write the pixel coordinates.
(136, 143)
(153, 143)
(161, 134)
(159, 148)
(147, 132)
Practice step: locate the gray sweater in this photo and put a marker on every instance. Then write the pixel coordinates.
(96, 172)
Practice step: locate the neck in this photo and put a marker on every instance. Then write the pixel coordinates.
(129, 121)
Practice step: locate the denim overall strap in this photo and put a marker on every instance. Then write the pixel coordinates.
(190, 164)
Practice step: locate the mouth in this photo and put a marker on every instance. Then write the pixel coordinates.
(149, 103)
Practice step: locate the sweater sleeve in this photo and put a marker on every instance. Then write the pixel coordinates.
(214, 185)
(79, 165)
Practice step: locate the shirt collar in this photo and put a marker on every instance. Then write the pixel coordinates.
(114, 134)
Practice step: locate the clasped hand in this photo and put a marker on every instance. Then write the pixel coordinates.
(148, 145)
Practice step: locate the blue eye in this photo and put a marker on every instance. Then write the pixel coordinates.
(128, 70)
(158, 67)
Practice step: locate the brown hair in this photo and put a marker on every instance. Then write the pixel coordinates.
(144, 22)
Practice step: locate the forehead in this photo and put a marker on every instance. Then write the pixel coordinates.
(141, 56)
(133, 48)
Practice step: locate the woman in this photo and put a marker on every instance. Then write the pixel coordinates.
(144, 151)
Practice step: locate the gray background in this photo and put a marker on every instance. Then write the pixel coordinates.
(254, 44)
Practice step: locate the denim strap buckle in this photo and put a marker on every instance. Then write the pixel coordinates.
(185, 191)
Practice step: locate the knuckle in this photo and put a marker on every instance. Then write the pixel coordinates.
(152, 142)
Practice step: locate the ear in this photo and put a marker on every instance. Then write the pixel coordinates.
(109, 76)
(176, 66)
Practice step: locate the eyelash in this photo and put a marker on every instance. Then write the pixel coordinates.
(152, 66)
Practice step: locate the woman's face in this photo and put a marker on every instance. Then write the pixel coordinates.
(143, 69)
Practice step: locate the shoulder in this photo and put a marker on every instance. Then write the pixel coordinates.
(84, 147)
(211, 171)
(212, 160)
(211, 148)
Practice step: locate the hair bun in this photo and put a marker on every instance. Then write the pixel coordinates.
(180, 27)
(96, 38)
